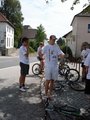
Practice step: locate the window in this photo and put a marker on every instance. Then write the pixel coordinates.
(2, 41)
(7, 42)
(88, 28)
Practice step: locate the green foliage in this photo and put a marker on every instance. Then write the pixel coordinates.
(31, 50)
(86, 10)
(67, 50)
(12, 10)
(32, 44)
(75, 2)
(40, 36)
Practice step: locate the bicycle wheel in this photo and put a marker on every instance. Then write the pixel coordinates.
(66, 108)
(36, 69)
(72, 75)
(77, 86)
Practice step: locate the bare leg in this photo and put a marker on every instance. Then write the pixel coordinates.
(83, 74)
(41, 65)
(22, 80)
(47, 87)
(51, 86)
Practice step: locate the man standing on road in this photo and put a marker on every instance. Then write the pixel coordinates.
(24, 63)
(51, 53)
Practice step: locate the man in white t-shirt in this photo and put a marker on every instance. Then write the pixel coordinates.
(87, 65)
(24, 63)
(83, 57)
(87, 50)
(51, 53)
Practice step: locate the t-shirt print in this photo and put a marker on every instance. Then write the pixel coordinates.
(52, 55)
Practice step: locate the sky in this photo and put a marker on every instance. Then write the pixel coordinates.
(55, 16)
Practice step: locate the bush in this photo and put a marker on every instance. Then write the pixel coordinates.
(31, 50)
(67, 50)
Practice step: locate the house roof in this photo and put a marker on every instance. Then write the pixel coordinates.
(83, 13)
(4, 19)
(29, 32)
(67, 34)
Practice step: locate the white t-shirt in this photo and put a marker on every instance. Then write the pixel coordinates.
(83, 55)
(87, 51)
(39, 50)
(51, 53)
(87, 63)
(22, 51)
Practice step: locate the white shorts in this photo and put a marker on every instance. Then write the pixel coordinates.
(51, 73)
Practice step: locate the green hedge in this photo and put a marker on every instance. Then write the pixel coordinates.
(31, 50)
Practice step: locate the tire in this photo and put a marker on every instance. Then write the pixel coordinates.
(63, 70)
(67, 108)
(72, 75)
(77, 86)
(36, 69)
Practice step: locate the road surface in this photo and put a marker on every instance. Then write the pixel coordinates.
(12, 61)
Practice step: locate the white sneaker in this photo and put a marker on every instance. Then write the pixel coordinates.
(22, 89)
(25, 87)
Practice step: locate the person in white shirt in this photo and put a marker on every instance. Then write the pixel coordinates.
(51, 53)
(87, 50)
(87, 65)
(40, 55)
(82, 62)
(24, 63)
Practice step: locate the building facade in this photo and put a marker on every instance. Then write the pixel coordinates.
(81, 31)
(6, 35)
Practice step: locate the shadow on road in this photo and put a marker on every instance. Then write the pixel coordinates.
(15, 105)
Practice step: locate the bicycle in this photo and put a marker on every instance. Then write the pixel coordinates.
(65, 112)
(71, 80)
(62, 69)
(37, 69)
(69, 73)
(77, 86)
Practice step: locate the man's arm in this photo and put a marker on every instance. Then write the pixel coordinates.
(86, 69)
(27, 51)
(61, 55)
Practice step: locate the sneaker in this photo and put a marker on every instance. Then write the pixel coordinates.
(22, 89)
(25, 87)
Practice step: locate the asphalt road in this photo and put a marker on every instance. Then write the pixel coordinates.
(12, 61)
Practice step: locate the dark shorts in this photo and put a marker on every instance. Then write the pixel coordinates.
(87, 86)
(24, 69)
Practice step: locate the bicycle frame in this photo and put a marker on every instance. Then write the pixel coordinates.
(70, 114)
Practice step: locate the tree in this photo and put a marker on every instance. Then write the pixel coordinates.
(66, 49)
(75, 2)
(12, 10)
(40, 36)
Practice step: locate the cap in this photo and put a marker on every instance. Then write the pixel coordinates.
(53, 37)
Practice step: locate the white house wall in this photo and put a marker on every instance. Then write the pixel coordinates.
(6, 35)
(9, 36)
(82, 32)
(2, 34)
